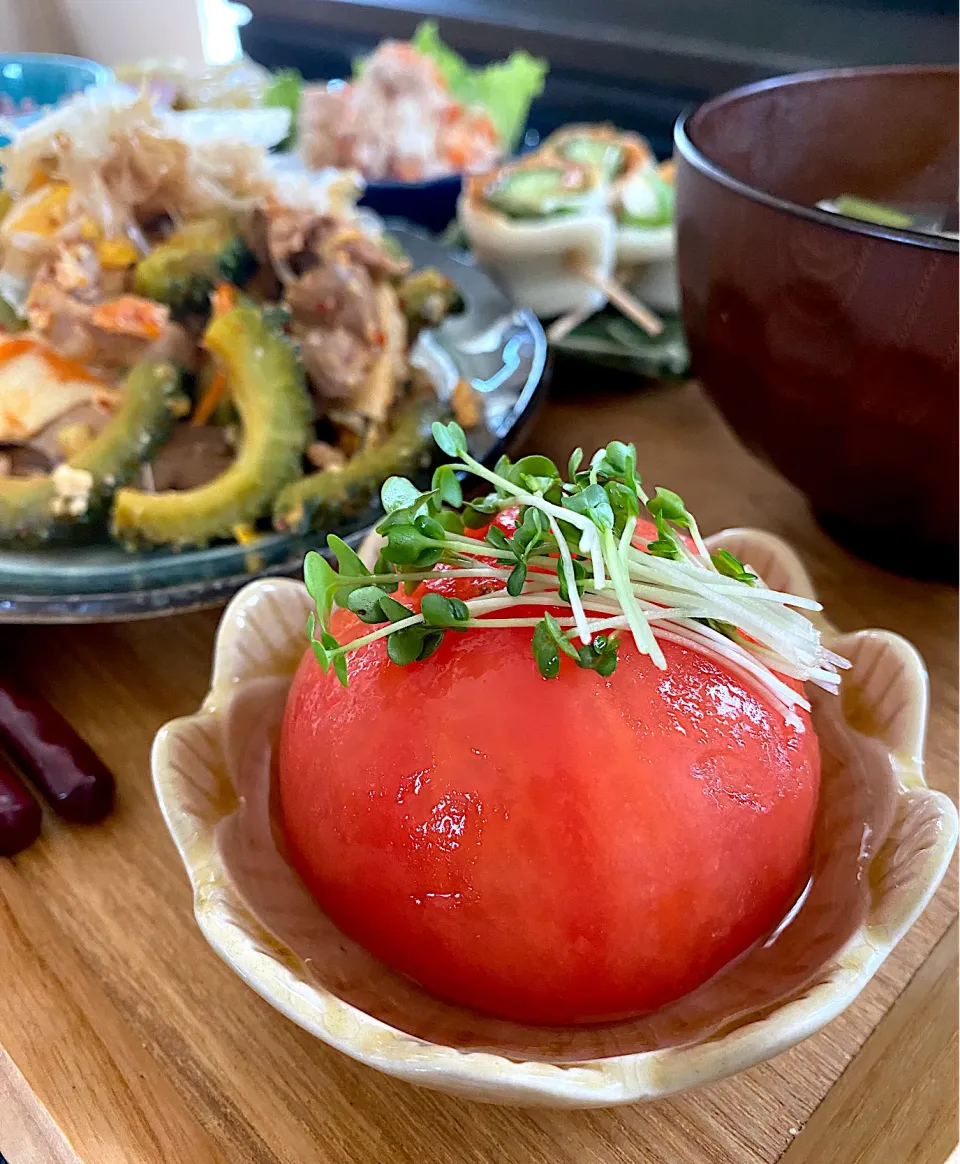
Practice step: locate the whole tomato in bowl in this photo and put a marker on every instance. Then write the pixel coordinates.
(547, 852)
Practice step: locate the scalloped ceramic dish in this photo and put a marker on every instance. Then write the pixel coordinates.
(882, 844)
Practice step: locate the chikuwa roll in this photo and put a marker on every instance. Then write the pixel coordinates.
(537, 227)
(589, 205)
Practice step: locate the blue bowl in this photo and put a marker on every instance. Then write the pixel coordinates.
(431, 205)
(44, 80)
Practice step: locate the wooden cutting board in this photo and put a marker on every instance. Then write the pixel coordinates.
(124, 1040)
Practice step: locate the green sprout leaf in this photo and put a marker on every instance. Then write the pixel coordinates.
(576, 458)
(474, 517)
(518, 575)
(450, 438)
(669, 505)
(555, 631)
(600, 655)
(394, 611)
(413, 644)
(449, 613)
(384, 567)
(366, 604)
(446, 485)
(429, 527)
(592, 502)
(450, 520)
(407, 546)
(429, 644)
(498, 539)
(532, 466)
(667, 544)
(731, 567)
(321, 582)
(339, 660)
(530, 533)
(311, 624)
(398, 493)
(617, 462)
(623, 501)
(327, 650)
(580, 578)
(347, 560)
(321, 655)
(546, 653)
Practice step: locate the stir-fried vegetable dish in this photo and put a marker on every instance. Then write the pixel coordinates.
(191, 348)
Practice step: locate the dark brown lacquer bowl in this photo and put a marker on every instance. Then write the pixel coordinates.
(830, 344)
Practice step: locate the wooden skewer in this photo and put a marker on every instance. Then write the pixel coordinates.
(631, 307)
(567, 323)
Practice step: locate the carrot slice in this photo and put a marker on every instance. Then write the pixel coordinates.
(11, 348)
(131, 315)
(212, 395)
(223, 298)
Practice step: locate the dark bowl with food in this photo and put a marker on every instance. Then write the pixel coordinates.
(430, 204)
(828, 342)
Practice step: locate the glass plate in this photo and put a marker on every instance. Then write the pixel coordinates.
(499, 349)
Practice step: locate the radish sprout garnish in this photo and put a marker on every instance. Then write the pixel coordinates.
(574, 549)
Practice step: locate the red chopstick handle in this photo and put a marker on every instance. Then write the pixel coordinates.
(62, 765)
(19, 813)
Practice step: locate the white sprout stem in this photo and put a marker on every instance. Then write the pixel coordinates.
(526, 498)
(429, 575)
(356, 644)
(664, 567)
(596, 625)
(819, 676)
(640, 628)
(782, 694)
(774, 597)
(784, 629)
(707, 636)
(699, 543)
(591, 602)
(656, 599)
(574, 598)
(471, 547)
(590, 544)
(658, 610)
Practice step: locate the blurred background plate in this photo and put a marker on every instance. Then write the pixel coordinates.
(499, 349)
(610, 340)
(32, 83)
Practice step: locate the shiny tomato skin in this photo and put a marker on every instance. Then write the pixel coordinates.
(548, 851)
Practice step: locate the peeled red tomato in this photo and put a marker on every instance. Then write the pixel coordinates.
(550, 851)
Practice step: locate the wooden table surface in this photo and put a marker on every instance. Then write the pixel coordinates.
(124, 1040)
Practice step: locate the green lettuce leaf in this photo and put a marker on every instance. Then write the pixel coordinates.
(285, 89)
(506, 90)
(453, 68)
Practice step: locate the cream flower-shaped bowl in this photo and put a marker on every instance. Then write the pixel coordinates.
(883, 840)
